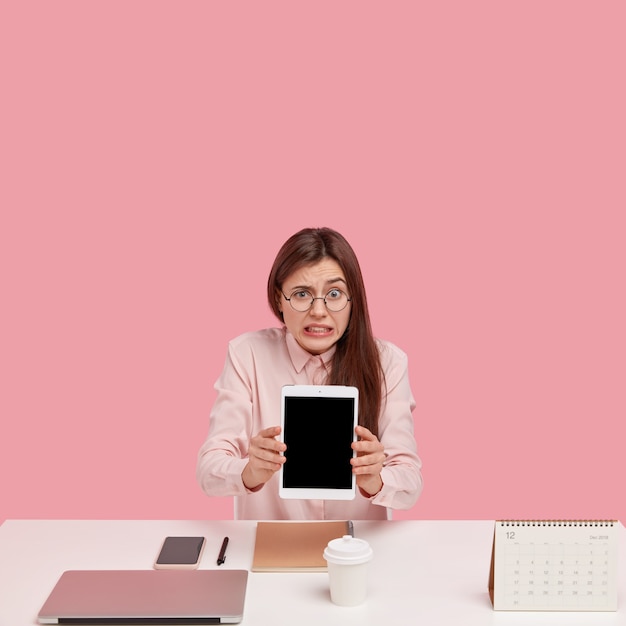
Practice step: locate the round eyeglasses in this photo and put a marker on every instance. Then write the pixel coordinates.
(302, 300)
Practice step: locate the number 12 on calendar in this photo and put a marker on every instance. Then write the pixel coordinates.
(554, 565)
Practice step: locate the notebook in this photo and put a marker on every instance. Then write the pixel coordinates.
(295, 546)
(554, 565)
(147, 597)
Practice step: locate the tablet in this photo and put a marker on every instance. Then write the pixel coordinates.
(317, 425)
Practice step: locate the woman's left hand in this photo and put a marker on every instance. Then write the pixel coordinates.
(368, 462)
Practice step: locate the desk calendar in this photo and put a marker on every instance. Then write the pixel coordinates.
(554, 565)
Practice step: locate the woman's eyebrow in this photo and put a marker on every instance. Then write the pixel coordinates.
(336, 280)
(297, 287)
(330, 281)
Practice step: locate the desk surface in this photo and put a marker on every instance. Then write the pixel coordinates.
(424, 572)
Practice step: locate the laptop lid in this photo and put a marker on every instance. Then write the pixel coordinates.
(146, 597)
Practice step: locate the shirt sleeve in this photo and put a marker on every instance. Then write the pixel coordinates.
(223, 455)
(401, 473)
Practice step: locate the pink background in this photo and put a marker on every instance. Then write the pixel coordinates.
(154, 156)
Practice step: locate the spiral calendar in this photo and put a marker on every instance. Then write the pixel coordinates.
(554, 565)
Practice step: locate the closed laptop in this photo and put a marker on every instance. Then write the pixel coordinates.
(146, 597)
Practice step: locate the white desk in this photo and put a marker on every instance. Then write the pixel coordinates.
(429, 573)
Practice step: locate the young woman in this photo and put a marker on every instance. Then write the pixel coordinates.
(316, 290)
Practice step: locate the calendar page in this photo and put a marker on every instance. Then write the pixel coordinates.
(554, 565)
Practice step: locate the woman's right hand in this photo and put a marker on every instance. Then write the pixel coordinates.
(264, 458)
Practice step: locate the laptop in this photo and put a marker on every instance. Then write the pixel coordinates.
(146, 597)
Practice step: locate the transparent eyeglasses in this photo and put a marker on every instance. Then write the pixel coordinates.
(302, 300)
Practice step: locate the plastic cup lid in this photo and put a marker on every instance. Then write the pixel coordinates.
(348, 550)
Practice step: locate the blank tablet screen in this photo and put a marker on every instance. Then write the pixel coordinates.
(318, 433)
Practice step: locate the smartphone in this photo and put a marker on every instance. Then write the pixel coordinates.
(180, 553)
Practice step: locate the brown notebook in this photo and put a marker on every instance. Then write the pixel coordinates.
(295, 546)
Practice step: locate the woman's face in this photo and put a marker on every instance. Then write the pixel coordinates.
(317, 329)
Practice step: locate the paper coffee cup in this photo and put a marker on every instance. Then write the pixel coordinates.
(348, 559)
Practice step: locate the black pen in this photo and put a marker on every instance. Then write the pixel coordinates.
(222, 555)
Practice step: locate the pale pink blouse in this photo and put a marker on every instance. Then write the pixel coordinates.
(257, 366)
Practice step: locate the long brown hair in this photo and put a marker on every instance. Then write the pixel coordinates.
(356, 361)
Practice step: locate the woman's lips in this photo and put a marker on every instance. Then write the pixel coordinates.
(318, 330)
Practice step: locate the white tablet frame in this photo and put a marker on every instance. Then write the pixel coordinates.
(314, 392)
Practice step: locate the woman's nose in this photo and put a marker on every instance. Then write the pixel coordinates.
(318, 307)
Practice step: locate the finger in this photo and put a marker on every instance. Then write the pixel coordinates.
(272, 446)
(369, 460)
(266, 461)
(270, 465)
(365, 433)
(267, 448)
(367, 446)
(272, 431)
(264, 454)
(367, 470)
(267, 439)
